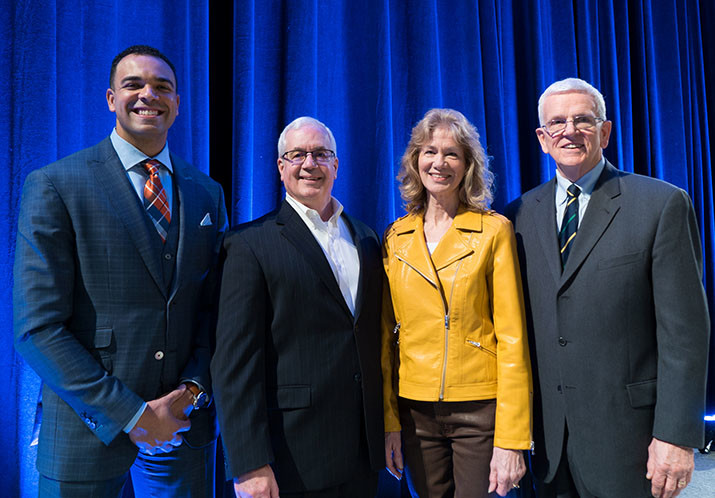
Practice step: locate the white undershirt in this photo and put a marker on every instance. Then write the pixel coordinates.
(335, 239)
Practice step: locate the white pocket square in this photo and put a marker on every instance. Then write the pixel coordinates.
(206, 221)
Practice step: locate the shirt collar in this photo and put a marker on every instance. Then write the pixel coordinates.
(312, 217)
(130, 156)
(586, 183)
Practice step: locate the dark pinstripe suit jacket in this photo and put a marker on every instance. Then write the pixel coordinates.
(91, 308)
(296, 377)
(620, 337)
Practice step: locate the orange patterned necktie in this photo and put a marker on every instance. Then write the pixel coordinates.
(155, 198)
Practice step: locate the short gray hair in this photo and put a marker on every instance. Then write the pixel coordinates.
(570, 85)
(300, 123)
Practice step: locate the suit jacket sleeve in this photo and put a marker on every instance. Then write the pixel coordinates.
(238, 367)
(683, 326)
(197, 369)
(44, 282)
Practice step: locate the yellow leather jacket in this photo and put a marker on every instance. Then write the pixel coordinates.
(459, 316)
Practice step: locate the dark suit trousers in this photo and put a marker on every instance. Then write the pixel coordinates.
(567, 482)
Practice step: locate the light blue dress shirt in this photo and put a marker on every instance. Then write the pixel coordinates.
(586, 183)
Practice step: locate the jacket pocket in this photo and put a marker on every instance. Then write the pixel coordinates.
(622, 260)
(289, 397)
(478, 345)
(642, 393)
(103, 346)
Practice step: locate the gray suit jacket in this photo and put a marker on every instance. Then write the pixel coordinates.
(620, 337)
(93, 315)
(297, 377)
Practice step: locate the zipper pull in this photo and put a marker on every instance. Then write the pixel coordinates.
(533, 451)
(446, 321)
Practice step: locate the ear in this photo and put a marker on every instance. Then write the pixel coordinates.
(605, 133)
(543, 137)
(281, 168)
(335, 168)
(110, 100)
(178, 99)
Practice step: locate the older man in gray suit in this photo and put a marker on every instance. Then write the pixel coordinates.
(114, 280)
(618, 319)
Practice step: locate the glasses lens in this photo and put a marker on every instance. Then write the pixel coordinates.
(584, 122)
(322, 155)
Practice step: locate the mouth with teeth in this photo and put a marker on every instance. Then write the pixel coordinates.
(573, 146)
(150, 113)
(311, 179)
(439, 176)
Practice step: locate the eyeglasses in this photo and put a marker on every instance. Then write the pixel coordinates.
(581, 123)
(298, 156)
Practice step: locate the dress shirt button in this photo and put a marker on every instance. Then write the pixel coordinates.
(357, 377)
(562, 342)
(158, 355)
(167, 256)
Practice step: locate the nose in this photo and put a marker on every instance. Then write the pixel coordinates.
(306, 164)
(147, 93)
(566, 131)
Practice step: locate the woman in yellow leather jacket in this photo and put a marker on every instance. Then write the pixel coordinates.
(455, 360)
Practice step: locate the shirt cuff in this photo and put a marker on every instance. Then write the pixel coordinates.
(130, 425)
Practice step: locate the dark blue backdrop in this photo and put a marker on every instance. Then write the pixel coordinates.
(369, 70)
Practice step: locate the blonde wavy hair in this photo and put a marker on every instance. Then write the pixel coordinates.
(475, 190)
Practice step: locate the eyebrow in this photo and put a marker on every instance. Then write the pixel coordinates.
(160, 79)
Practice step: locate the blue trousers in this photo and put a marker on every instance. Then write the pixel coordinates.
(183, 472)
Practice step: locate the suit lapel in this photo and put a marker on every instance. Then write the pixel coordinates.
(110, 174)
(360, 239)
(544, 214)
(298, 234)
(188, 203)
(602, 207)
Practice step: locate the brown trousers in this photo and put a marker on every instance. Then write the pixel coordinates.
(447, 446)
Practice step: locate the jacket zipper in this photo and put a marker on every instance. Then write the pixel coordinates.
(447, 310)
(479, 346)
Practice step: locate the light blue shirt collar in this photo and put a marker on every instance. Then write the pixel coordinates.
(586, 183)
(130, 156)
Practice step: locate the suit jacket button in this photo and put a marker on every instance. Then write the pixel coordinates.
(167, 256)
(357, 377)
(562, 342)
(159, 355)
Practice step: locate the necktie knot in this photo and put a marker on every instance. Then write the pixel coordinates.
(573, 190)
(151, 166)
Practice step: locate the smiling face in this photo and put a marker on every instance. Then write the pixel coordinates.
(575, 152)
(441, 164)
(309, 183)
(144, 98)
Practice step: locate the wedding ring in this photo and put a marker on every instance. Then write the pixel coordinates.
(515, 486)
(682, 483)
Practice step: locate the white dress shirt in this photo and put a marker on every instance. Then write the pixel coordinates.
(335, 239)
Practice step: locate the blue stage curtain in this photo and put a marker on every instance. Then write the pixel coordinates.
(369, 70)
